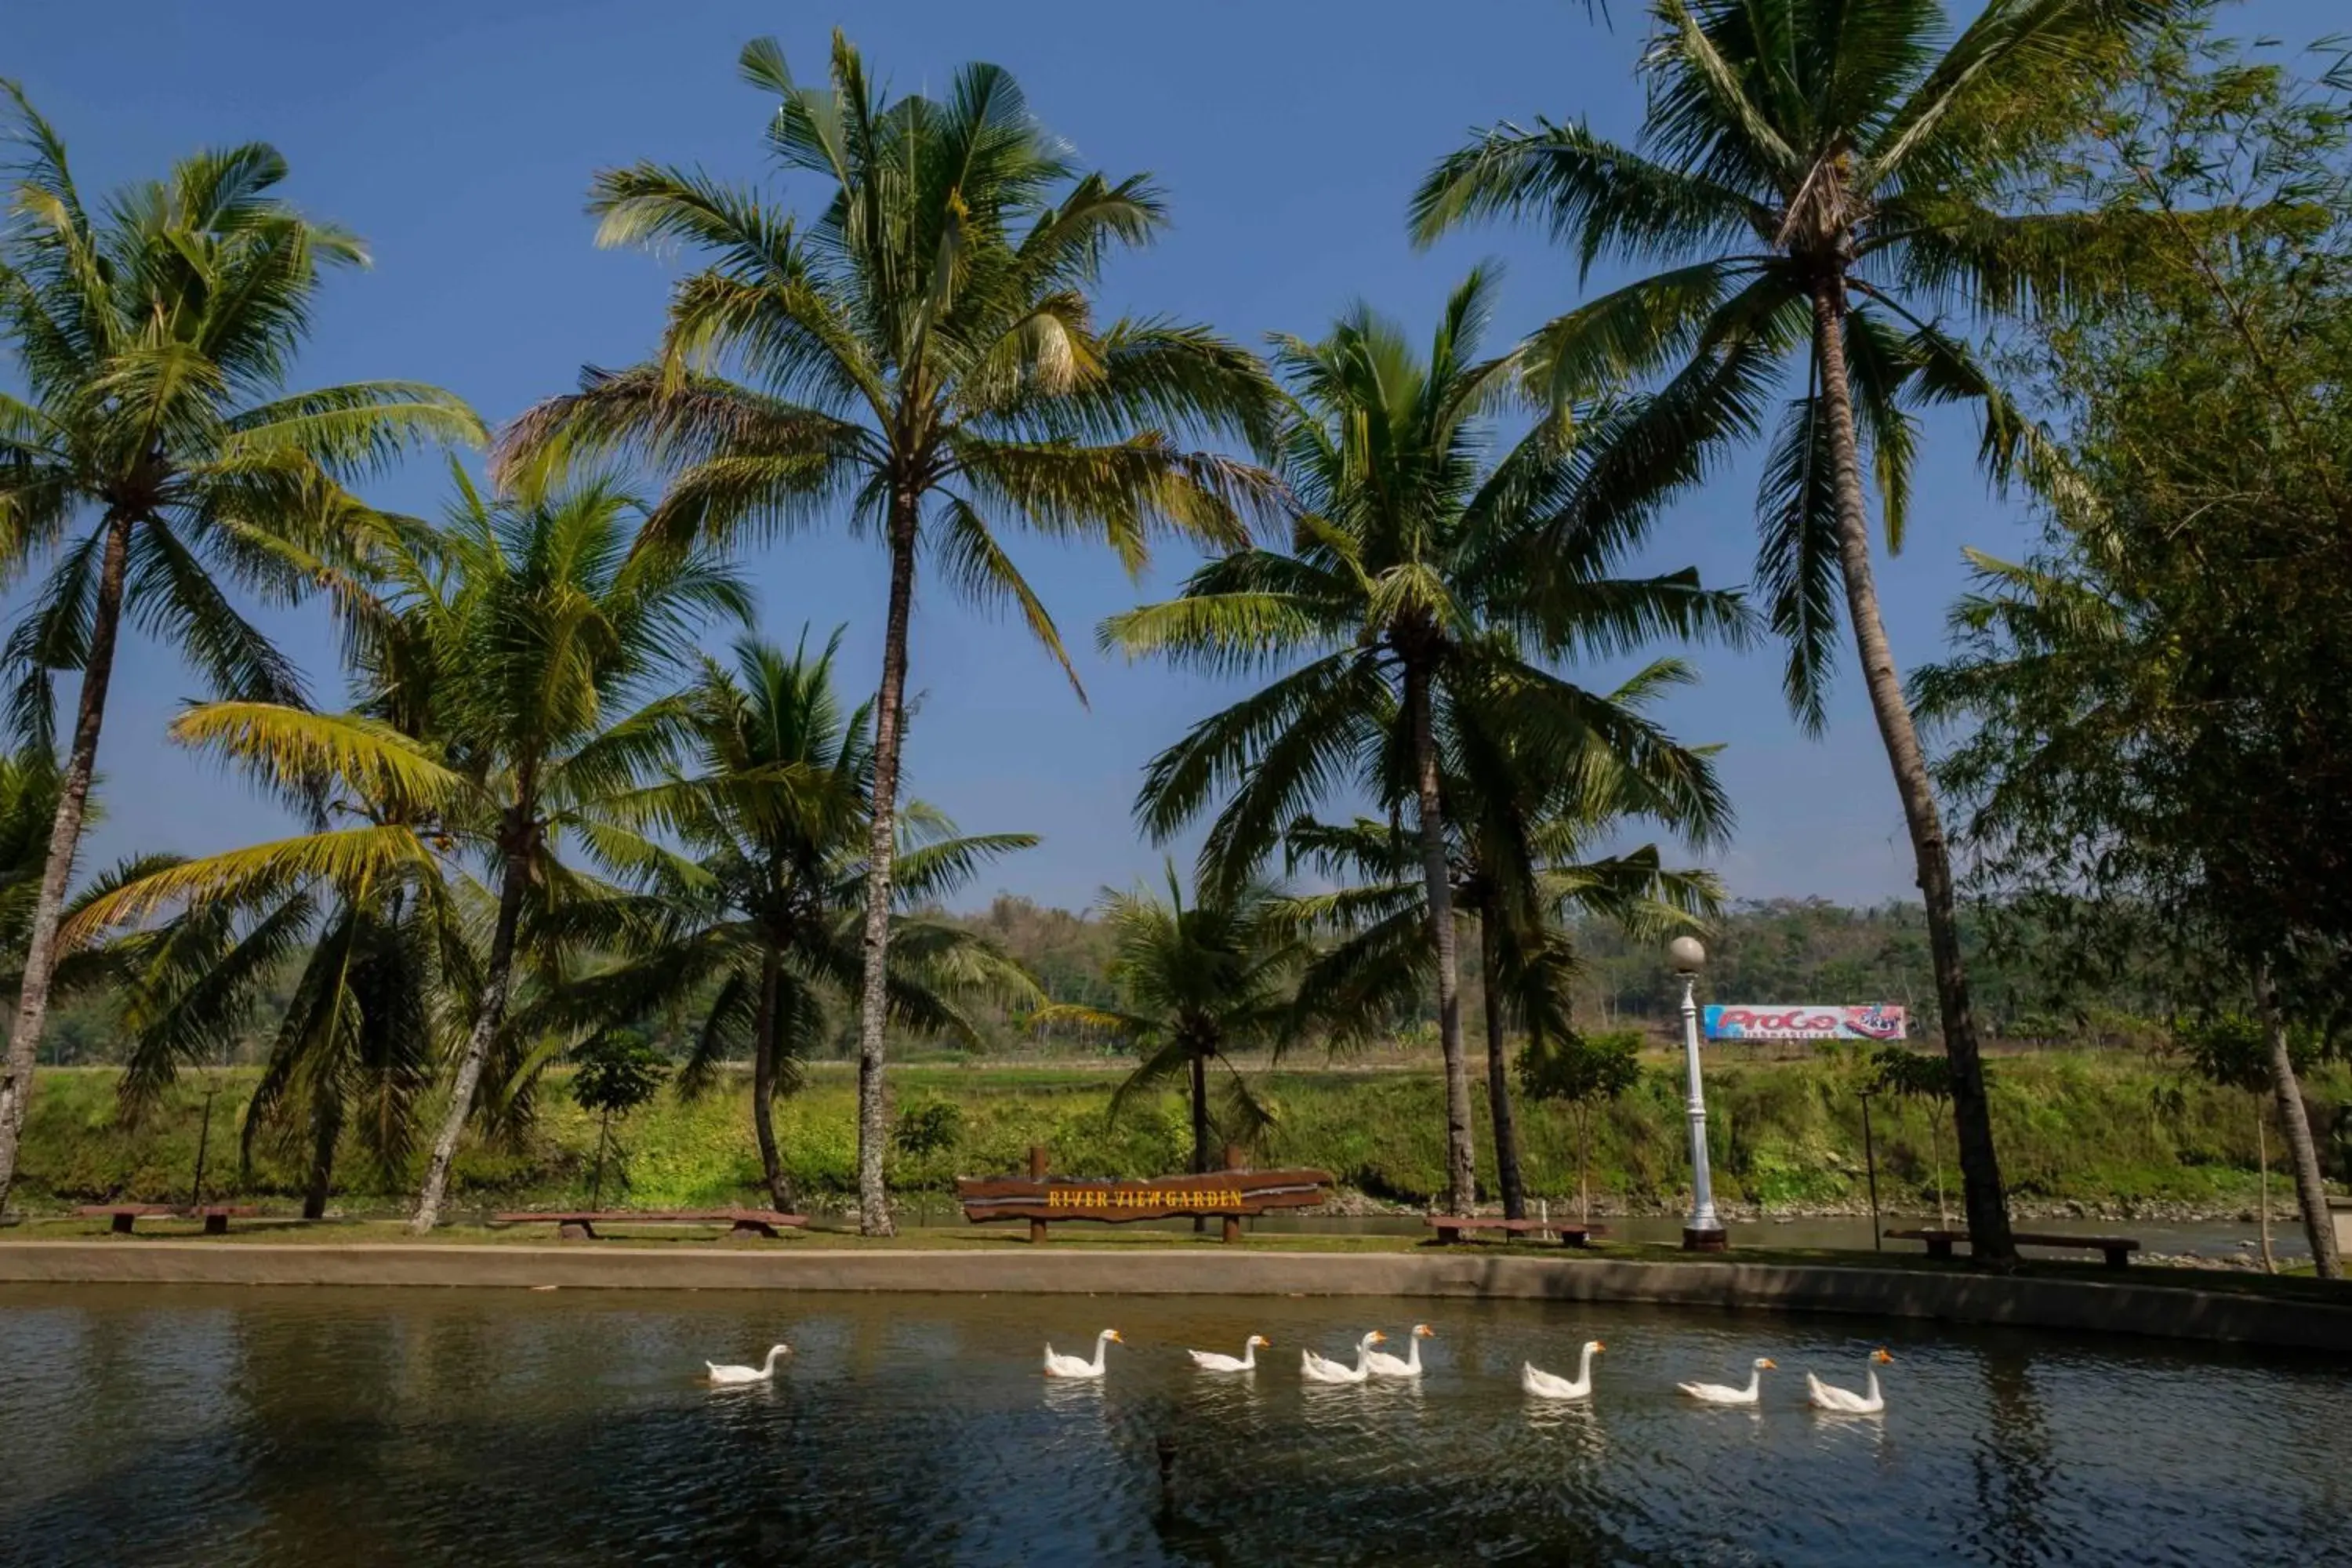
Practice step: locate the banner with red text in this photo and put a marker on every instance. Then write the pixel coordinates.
(1779, 1021)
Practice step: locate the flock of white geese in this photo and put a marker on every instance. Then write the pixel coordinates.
(1370, 1364)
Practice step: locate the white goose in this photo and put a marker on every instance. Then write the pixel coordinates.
(1382, 1365)
(1210, 1360)
(1829, 1396)
(1724, 1393)
(1551, 1386)
(766, 1369)
(1317, 1369)
(1071, 1366)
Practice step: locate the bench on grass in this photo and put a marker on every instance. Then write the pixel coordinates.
(125, 1216)
(2117, 1249)
(1451, 1229)
(580, 1225)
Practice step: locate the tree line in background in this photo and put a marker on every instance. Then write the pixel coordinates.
(548, 818)
(1783, 950)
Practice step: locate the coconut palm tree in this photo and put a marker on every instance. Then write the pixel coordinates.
(380, 951)
(920, 349)
(1197, 981)
(749, 877)
(1820, 180)
(152, 339)
(363, 902)
(1521, 858)
(1422, 577)
(533, 626)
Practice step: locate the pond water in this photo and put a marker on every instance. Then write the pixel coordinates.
(350, 1426)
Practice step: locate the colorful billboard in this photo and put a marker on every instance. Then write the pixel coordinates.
(1789, 1022)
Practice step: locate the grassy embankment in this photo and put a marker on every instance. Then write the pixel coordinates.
(2095, 1129)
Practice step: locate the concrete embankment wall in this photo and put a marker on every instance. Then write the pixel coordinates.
(2099, 1306)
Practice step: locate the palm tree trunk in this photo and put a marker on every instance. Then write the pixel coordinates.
(326, 1130)
(1200, 1129)
(1499, 1080)
(2310, 1186)
(64, 839)
(1461, 1151)
(763, 1084)
(1199, 1114)
(1987, 1207)
(497, 976)
(1583, 1164)
(603, 1137)
(2262, 1184)
(889, 722)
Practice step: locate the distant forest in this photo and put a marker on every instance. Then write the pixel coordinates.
(1779, 950)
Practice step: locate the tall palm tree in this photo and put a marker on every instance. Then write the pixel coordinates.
(153, 338)
(1197, 981)
(749, 896)
(534, 625)
(1821, 179)
(363, 903)
(544, 624)
(921, 349)
(1521, 847)
(1422, 577)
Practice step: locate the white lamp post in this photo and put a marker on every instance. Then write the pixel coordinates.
(1705, 1232)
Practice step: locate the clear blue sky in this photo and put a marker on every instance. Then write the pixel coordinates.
(459, 138)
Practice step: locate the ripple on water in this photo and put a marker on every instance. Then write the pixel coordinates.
(353, 1427)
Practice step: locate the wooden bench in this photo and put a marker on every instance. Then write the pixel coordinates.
(1450, 1228)
(2117, 1249)
(125, 1216)
(580, 1225)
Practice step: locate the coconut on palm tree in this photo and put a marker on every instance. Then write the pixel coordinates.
(1428, 571)
(1522, 851)
(1198, 979)
(153, 338)
(1821, 181)
(918, 350)
(747, 874)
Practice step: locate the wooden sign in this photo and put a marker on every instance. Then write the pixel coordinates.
(1233, 1194)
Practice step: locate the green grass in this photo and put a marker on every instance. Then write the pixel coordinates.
(2097, 1129)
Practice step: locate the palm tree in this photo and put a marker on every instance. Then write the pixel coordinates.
(1197, 981)
(1520, 855)
(1823, 177)
(923, 350)
(153, 339)
(755, 918)
(1421, 578)
(367, 908)
(532, 626)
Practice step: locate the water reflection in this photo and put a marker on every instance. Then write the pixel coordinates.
(1572, 1424)
(350, 1427)
(2011, 1461)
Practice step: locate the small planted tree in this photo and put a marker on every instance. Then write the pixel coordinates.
(1910, 1075)
(615, 1071)
(1584, 1072)
(2231, 1050)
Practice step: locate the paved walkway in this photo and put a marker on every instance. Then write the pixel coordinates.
(2120, 1305)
